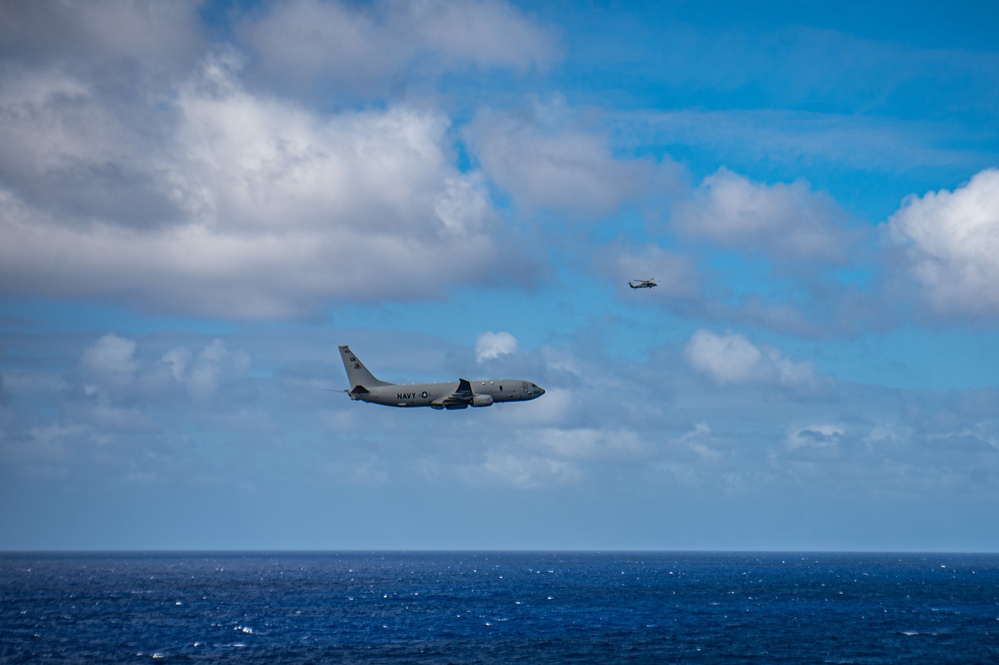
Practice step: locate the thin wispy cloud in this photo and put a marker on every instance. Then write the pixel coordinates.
(371, 47)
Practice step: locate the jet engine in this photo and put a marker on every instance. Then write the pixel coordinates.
(482, 400)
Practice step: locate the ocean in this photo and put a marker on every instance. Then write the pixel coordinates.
(499, 607)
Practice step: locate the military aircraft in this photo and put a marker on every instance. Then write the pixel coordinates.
(642, 284)
(461, 395)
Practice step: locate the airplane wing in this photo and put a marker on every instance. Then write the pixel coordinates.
(460, 398)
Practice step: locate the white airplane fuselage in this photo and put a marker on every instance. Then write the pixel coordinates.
(458, 394)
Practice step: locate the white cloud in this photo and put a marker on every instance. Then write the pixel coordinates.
(112, 372)
(111, 356)
(952, 241)
(543, 162)
(367, 46)
(490, 345)
(214, 365)
(732, 359)
(51, 112)
(784, 222)
(726, 359)
(73, 150)
(276, 209)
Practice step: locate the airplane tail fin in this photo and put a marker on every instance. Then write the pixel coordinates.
(357, 373)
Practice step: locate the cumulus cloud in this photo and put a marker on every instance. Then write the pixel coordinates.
(205, 373)
(369, 45)
(275, 209)
(728, 359)
(490, 345)
(787, 223)
(112, 370)
(543, 162)
(110, 354)
(84, 104)
(951, 242)
(732, 359)
(73, 150)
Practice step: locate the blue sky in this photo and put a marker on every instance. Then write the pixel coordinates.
(200, 201)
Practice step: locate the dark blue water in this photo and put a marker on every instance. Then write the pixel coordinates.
(499, 608)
